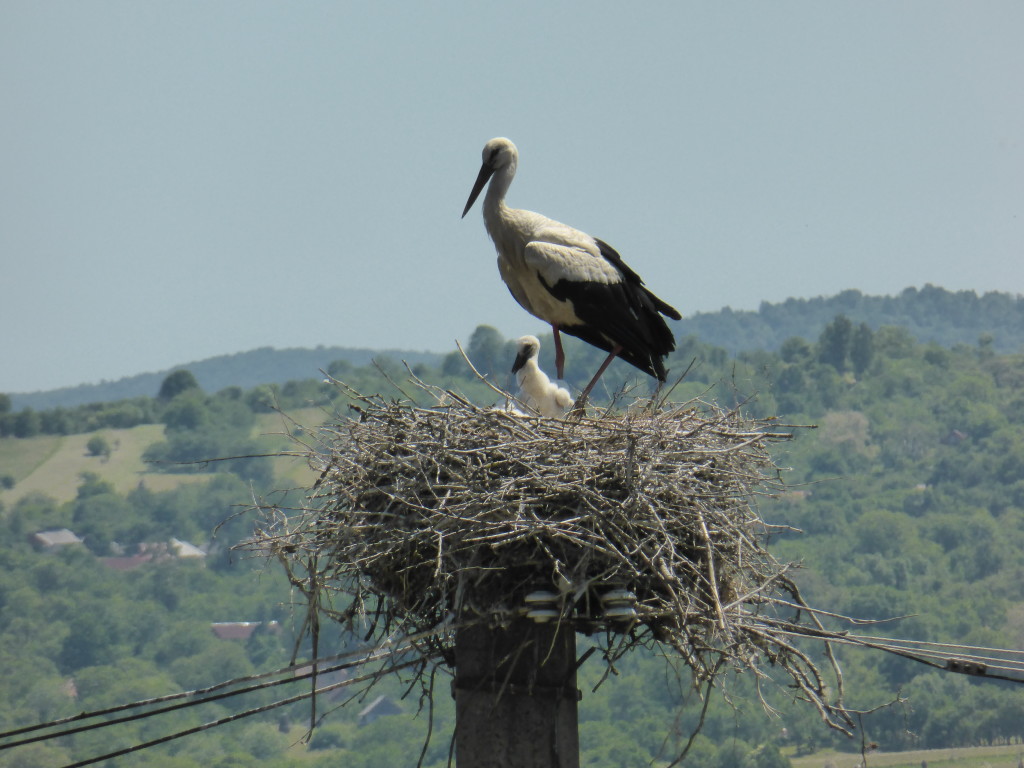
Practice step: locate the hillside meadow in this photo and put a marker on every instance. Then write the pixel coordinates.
(53, 465)
(1007, 756)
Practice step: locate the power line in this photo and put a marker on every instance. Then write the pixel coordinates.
(239, 715)
(171, 708)
(979, 661)
(198, 693)
(359, 657)
(962, 659)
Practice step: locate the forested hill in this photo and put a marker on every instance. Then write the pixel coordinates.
(265, 365)
(930, 314)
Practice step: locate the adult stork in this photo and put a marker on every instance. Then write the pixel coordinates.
(575, 282)
(536, 389)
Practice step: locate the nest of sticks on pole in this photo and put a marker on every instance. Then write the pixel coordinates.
(638, 525)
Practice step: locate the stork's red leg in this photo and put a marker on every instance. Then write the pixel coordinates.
(582, 399)
(559, 354)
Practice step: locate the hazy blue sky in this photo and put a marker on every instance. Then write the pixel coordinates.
(185, 179)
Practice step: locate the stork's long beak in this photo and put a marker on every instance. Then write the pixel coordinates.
(521, 359)
(481, 180)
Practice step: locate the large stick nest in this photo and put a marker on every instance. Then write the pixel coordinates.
(429, 516)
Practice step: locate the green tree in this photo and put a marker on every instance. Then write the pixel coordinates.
(834, 343)
(453, 365)
(98, 446)
(27, 423)
(182, 639)
(189, 411)
(264, 742)
(487, 350)
(894, 342)
(38, 755)
(92, 485)
(57, 421)
(222, 661)
(177, 382)
(985, 346)
(731, 753)
(96, 634)
(339, 369)
(882, 532)
(765, 756)
(330, 736)
(35, 511)
(862, 348)
(101, 516)
(795, 350)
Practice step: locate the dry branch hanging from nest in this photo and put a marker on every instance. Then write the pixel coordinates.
(424, 516)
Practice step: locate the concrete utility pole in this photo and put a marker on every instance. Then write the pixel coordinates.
(516, 696)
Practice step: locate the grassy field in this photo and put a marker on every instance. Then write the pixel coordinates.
(53, 464)
(19, 458)
(964, 757)
(285, 433)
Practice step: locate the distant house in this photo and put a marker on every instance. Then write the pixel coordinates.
(184, 549)
(240, 630)
(155, 551)
(380, 707)
(51, 540)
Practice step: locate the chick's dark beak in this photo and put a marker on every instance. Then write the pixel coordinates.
(521, 359)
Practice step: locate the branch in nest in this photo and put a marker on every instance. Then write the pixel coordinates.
(454, 512)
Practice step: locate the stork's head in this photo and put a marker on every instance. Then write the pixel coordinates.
(527, 348)
(499, 154)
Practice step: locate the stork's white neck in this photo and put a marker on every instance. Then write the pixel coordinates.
(494, 201)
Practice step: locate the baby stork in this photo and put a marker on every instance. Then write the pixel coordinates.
(536, 389)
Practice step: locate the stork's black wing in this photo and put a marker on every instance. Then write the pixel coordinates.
(620, 313)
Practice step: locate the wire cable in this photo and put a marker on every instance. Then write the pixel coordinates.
(218, 691)
(238, 716)
(979, 661)
(1009, 666)
(197, 693)
(174, 707)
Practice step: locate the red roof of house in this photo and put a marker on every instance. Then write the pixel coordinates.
(234, 630)
(240, 630)
(128, 563)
